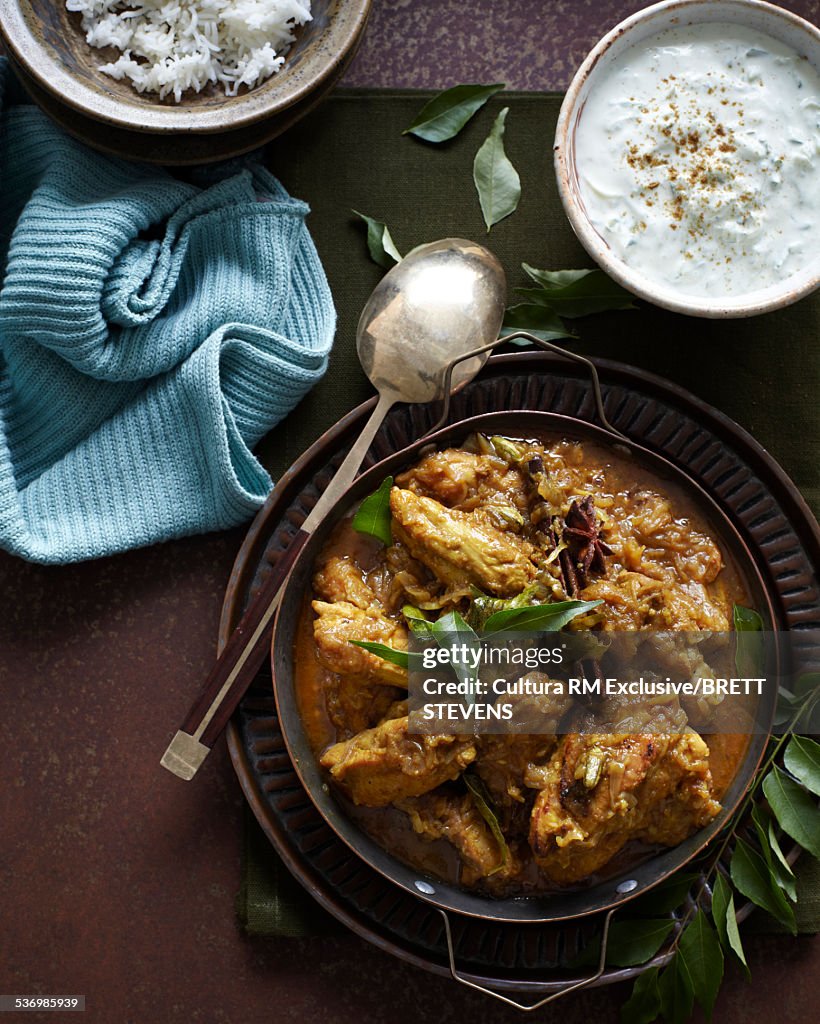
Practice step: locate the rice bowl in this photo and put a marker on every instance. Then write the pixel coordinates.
(171, 47)
(47, 45)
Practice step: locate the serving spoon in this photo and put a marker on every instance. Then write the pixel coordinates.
(442, 301)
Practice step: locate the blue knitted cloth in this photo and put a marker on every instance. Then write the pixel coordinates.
(152, 330)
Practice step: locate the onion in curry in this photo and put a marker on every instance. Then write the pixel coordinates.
(499, 516)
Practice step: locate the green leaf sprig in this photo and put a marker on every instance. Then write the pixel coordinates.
(380, 242)
(447, 113)
(695, 970)
(574, 293)
(496, 180)
(536, 319)
(547, 618)
(373, 515)
(562, 294)
(484, 806)
(417, 622)
(750, 651)
(385, 651)
(442, 631)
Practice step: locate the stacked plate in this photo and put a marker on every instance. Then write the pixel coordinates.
(48, 50)
(751, 490)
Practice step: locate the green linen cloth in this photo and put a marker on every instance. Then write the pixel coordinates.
(350, 154)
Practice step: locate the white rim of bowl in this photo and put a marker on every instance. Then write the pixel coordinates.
(592, 241)
(37, 61)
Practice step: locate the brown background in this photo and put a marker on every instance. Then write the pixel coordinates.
(117, 881)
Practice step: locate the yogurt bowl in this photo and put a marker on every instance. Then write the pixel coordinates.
(687, 155)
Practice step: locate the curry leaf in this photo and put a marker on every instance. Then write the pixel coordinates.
(644, 1004)
(807, 690)
(787, 705)
(794, 809)
(482, 606)
(496, 180)
(663, 898)
(575, 293)
(746, 619)
(807, 684)
(676, 991)
(443, 630)
(400, 658)
(453, 622)
(538, 320)
(700, 950)
(630, 942)
(723, 914)
(548, 618)
(749, 652)
(802, 758)
(418, 622)
(751, 876)
(483, 804)
(380, 244)
(447, 113)
(373, 515)
(778, 865)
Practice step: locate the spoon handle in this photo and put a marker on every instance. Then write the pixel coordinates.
(349, 469)
(249, 644)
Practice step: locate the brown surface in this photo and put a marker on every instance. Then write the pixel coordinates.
(118, 880)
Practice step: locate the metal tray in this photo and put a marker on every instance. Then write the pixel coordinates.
(763, 503)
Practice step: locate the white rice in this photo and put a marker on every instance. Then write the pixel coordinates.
(170, 46)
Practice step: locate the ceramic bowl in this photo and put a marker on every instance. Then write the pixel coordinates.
(47, 43)
(773, 21)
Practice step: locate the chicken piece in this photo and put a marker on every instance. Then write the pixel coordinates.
(454, 817)
(671, 541)
(398, 709)
(637, 601)
(457, 547)
(340, 623)
(416, 584)
(504, 761)
(465, 480)
(340, 579)
(680, 795)
(450, 476)
(354, 705)
(502, 764)
(386, 764)
(602, 791)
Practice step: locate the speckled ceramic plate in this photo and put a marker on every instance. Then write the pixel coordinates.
(48, 42)
(183, 149)
(764, 505)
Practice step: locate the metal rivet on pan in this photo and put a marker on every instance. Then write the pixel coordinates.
(424, 887)
(626, 886)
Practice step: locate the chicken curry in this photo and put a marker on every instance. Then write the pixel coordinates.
(488, 522)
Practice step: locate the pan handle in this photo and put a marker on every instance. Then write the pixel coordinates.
(571, 987)
(540, 343)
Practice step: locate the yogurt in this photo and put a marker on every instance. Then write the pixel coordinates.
(697, 159)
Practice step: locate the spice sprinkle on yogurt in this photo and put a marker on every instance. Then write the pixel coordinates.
(697, 159)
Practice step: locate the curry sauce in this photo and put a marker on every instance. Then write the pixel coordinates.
(499, 517)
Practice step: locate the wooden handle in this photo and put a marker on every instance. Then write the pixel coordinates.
(249, 643)
(243, 656)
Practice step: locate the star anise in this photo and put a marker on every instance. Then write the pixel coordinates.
(585, 553)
